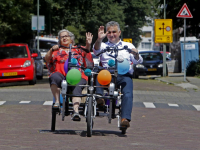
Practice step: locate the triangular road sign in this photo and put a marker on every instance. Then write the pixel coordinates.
(184, 12)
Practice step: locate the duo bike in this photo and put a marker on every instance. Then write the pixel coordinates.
(89, 109)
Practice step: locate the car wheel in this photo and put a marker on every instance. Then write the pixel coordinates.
(40, 77)
(135, 75)
(32, 82)
(166, 71)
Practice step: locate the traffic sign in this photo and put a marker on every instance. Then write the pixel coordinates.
(184, 12)
(34, 22)
(127, 40)
(163, 31)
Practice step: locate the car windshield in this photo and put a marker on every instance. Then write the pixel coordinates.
(151, 56)
(13, 52)
(46, 45)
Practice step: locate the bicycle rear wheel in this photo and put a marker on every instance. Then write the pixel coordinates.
(90, 117)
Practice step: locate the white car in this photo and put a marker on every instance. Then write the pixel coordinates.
(96, 59)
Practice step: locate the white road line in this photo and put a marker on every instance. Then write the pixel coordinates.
(24, 102)
(197, 107)
(2, 102)
(173, 105)
(48, 103)
(149, 105)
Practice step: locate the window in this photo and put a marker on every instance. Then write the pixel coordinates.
(151, 56)
(13, 52)
(146, 45)
(146, 34)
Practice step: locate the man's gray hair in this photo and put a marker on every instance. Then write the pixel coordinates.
(72, 37)
(112, 23)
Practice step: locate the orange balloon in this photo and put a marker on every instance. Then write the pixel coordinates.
(104, 77)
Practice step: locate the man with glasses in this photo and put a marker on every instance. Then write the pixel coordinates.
(125, 81)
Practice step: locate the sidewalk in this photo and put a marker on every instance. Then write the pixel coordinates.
(177, 79)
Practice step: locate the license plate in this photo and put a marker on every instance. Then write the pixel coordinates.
(152, 69)
(10, 74)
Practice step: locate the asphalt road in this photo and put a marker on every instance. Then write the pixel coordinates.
(164, 117)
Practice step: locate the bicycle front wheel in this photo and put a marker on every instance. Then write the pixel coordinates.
(90, 113)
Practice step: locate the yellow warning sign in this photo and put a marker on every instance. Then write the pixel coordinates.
(163, 31)
(127, 40)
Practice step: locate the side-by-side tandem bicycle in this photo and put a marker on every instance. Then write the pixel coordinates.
(89, 109)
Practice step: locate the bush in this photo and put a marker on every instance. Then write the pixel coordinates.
(193, 68)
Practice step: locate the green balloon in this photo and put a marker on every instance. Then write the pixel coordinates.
(73, 76)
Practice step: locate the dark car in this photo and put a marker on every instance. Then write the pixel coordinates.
(152, 64)
(39, 64)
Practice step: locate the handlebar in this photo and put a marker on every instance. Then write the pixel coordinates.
(115, 49)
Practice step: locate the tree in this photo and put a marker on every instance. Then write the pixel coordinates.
(78, 16)
(172, 9)
(135, 12)
(15, 20)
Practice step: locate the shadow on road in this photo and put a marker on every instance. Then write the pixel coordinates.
(84, 133)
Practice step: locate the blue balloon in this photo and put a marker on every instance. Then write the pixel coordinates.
(88, 72)
(66, 66)
(123, 67)
(74, 61)
(111, 62)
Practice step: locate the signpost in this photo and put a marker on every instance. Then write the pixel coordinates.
(127, 40)
(163, 31)
(40, 23)
(163, 34)
(184, 13)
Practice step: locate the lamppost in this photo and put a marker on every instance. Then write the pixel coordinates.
(164, 48)
(38, 1)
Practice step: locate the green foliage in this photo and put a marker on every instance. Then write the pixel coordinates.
(77, 16)
(172, 9)
(15, 19)
(193, 68)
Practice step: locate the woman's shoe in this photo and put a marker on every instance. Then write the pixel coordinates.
(76, 117)
(56, 105)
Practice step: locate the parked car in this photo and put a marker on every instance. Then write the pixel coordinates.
(168, 55)
(152, 64)
(17, 63)
(39, 63)
(96, 59)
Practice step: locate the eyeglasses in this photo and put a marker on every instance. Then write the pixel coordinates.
(109, 32)
(65, 36)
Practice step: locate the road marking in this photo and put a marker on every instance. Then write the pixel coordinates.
(48, 103)
(2, 102)
(24, 102)
(173, 105)
(149, 105)
(197, 107)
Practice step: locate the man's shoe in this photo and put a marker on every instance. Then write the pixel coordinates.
(100, 102)
(124, 123)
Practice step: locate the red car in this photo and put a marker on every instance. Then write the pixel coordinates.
(17, 63)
